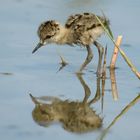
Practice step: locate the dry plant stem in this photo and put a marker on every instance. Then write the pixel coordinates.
(121, 51)
(115, 53)
(63, 62)
(132, 103)
(113, 84)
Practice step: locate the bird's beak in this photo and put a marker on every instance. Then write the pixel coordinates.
(34, 99)
(39, 45)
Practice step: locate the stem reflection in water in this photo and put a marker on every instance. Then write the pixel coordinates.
(132, 103)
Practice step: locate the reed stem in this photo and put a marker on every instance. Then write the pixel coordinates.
(115, 52)
(127, 60)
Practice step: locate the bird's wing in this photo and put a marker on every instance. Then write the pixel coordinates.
(80, 24)
(83, 22)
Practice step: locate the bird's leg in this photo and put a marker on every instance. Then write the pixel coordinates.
(88, 58)
(98, 93)
(100, 51)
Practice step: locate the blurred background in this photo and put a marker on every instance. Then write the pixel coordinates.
(22, 73)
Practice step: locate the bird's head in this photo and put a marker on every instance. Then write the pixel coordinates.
(47, 33)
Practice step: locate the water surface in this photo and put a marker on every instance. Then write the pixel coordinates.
(22, 73)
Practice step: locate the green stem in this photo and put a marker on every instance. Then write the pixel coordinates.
(133, 68)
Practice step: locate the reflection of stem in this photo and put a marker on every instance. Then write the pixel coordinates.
(103, 89)
(85, 86)
(113, 84)
(132, 103)
(104, 64)
(103, 78)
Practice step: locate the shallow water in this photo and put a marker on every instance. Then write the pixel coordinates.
(22, 73)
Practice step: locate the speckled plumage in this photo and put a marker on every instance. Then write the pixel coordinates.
(80, 29)
(85, 28)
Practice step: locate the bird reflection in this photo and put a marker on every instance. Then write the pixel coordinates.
(75, 116)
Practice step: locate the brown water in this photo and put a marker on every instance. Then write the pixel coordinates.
(22, 73)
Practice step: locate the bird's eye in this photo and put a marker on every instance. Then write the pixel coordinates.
(48, 36)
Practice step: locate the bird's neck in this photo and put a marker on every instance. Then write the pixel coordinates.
(64, 36)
